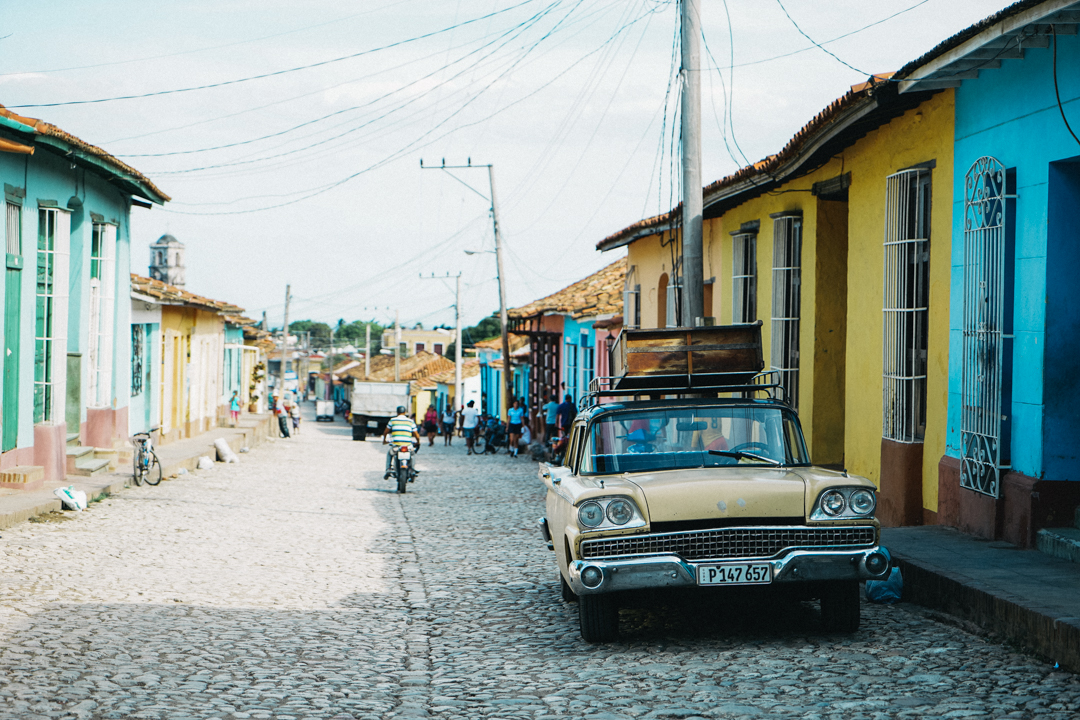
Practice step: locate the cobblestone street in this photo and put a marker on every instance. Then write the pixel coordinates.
(297, 584)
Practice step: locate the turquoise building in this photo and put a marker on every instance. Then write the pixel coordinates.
(67, 340)
(1012, 462)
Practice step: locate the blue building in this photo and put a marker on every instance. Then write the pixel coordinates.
(67, 342)
(1012, 462)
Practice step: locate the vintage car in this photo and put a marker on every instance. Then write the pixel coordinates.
(708, 487)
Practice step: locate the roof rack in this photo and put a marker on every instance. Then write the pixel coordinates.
(736, 383)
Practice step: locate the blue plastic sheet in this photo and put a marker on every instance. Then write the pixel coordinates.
(888, 591)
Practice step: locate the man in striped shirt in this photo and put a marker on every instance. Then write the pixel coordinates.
(402, 431)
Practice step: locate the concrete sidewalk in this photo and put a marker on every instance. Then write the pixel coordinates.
(1022, 596)
(19, 506)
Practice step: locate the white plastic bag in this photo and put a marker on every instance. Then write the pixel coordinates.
(225, 453)
(205, 463)
(70, 498)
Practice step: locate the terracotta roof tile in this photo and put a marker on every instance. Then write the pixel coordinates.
(172, 295)
(598, 294)
(48, 130)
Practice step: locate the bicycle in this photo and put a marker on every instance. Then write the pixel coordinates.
(146, 464)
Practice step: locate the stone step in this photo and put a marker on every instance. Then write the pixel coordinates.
(23, 477)
(89, 468)
(110, 454)
(76, 454)
(1061, 543)
(72, 439)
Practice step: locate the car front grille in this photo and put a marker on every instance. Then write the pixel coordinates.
(733, 542)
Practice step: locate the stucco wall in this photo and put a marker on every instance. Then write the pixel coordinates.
(920, 135)
(1011, 113)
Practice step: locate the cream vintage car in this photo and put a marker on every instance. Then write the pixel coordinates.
(667, 490)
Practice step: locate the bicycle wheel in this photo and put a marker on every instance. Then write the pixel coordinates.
(153, 470)
(136, 472)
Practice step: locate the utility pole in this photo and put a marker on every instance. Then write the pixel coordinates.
(330, 385)
(458, 391)
(367, 350)
(397, 347)
(284, 344)
(693, 280)
(508, 377)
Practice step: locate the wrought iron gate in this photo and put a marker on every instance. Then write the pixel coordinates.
(983, 326)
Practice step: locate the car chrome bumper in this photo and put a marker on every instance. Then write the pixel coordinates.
(663, 571)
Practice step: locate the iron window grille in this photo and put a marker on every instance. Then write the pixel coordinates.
(984, 373)
(674, 303)
(631, 300)
(786, 302)
(138, 342)
(14, 229)
(906, 291)
(744, 277)
(102, 242)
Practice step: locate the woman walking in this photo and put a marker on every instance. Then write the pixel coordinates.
(516, 415)
(448, 425)
(431, 424)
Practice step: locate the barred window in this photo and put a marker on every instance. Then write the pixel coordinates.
(786, 301)
(138, 342)
(744, 276)
(674, 303)
(14, 229)
(906, 285)
(631, 300)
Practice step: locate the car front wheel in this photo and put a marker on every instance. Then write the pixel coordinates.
(840, 607)
(568, 594)
(599, 615)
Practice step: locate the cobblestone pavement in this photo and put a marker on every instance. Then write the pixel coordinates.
(298, 585)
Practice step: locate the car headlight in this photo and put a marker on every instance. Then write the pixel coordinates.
(862, 502)
(590, 514)
(619, 511)
(833, 502)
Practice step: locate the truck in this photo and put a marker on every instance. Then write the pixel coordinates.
(374, 403)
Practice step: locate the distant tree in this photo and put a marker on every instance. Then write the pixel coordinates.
(320, 331)
(486, 329)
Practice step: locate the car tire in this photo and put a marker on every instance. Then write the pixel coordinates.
(840, 609)
(599, 616)
(568, 594)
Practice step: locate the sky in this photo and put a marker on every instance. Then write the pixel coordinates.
(301, 165)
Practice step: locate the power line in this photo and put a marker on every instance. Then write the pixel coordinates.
(818, 45)
(277, 73)
(204, 49)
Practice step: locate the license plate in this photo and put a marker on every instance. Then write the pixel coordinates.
(742, 574)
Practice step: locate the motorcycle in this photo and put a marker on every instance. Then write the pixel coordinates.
(404, 456)
(493, 438)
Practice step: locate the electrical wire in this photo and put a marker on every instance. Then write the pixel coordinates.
(818, 45)
(278, 73)
(1057, 91)
(129, 61)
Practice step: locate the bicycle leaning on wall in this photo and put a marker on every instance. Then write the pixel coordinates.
(147, 467)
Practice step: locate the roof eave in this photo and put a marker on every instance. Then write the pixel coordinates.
(126, 181)
(923, 75)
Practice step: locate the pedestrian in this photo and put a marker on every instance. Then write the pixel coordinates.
(294, 412)
(516, 416)
(448, 425)
(431, 424)
(234, 408)
(565, 415)
(550, 410)
(470, 418)
(282, 417)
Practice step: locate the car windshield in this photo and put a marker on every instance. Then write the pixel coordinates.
(693, 437)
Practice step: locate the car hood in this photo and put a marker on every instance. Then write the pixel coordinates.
(730, 493)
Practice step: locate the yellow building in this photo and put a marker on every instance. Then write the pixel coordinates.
(840, 245)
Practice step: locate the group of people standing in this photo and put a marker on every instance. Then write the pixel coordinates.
(469, 422)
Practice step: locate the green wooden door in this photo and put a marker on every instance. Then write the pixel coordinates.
(12, 305)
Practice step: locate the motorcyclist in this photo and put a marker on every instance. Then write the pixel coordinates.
(402, 431)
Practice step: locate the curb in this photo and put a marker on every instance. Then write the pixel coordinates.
(1018, 620)
(21, 508)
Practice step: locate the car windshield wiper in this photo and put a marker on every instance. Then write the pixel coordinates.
(744, 454)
